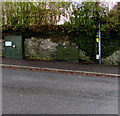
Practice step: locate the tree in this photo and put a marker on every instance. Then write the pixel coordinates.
(110, 31)
(83, 25)
(32, 15)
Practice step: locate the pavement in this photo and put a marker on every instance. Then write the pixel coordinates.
(62, 67)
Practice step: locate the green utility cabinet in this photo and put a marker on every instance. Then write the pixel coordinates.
(67, 53)
(13, 47)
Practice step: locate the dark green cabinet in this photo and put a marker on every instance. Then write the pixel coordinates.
(67, 53)
(14, 47)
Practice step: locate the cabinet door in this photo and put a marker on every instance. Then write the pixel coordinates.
(9, 50)
(18, 47)
(13, 47)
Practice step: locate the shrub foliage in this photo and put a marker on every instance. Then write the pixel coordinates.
(81, 24)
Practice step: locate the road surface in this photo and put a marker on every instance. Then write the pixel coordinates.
(30, 92)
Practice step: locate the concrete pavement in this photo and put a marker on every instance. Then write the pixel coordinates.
(62, 66)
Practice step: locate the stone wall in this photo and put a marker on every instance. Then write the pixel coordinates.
(46, 48)
(40, 48)
(84, 57)
(113, 59)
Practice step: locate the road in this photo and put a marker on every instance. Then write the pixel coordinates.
(30, 92)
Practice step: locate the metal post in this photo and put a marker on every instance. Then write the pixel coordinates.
(99, 44)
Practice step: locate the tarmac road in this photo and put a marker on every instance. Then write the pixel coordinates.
(30, 92)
